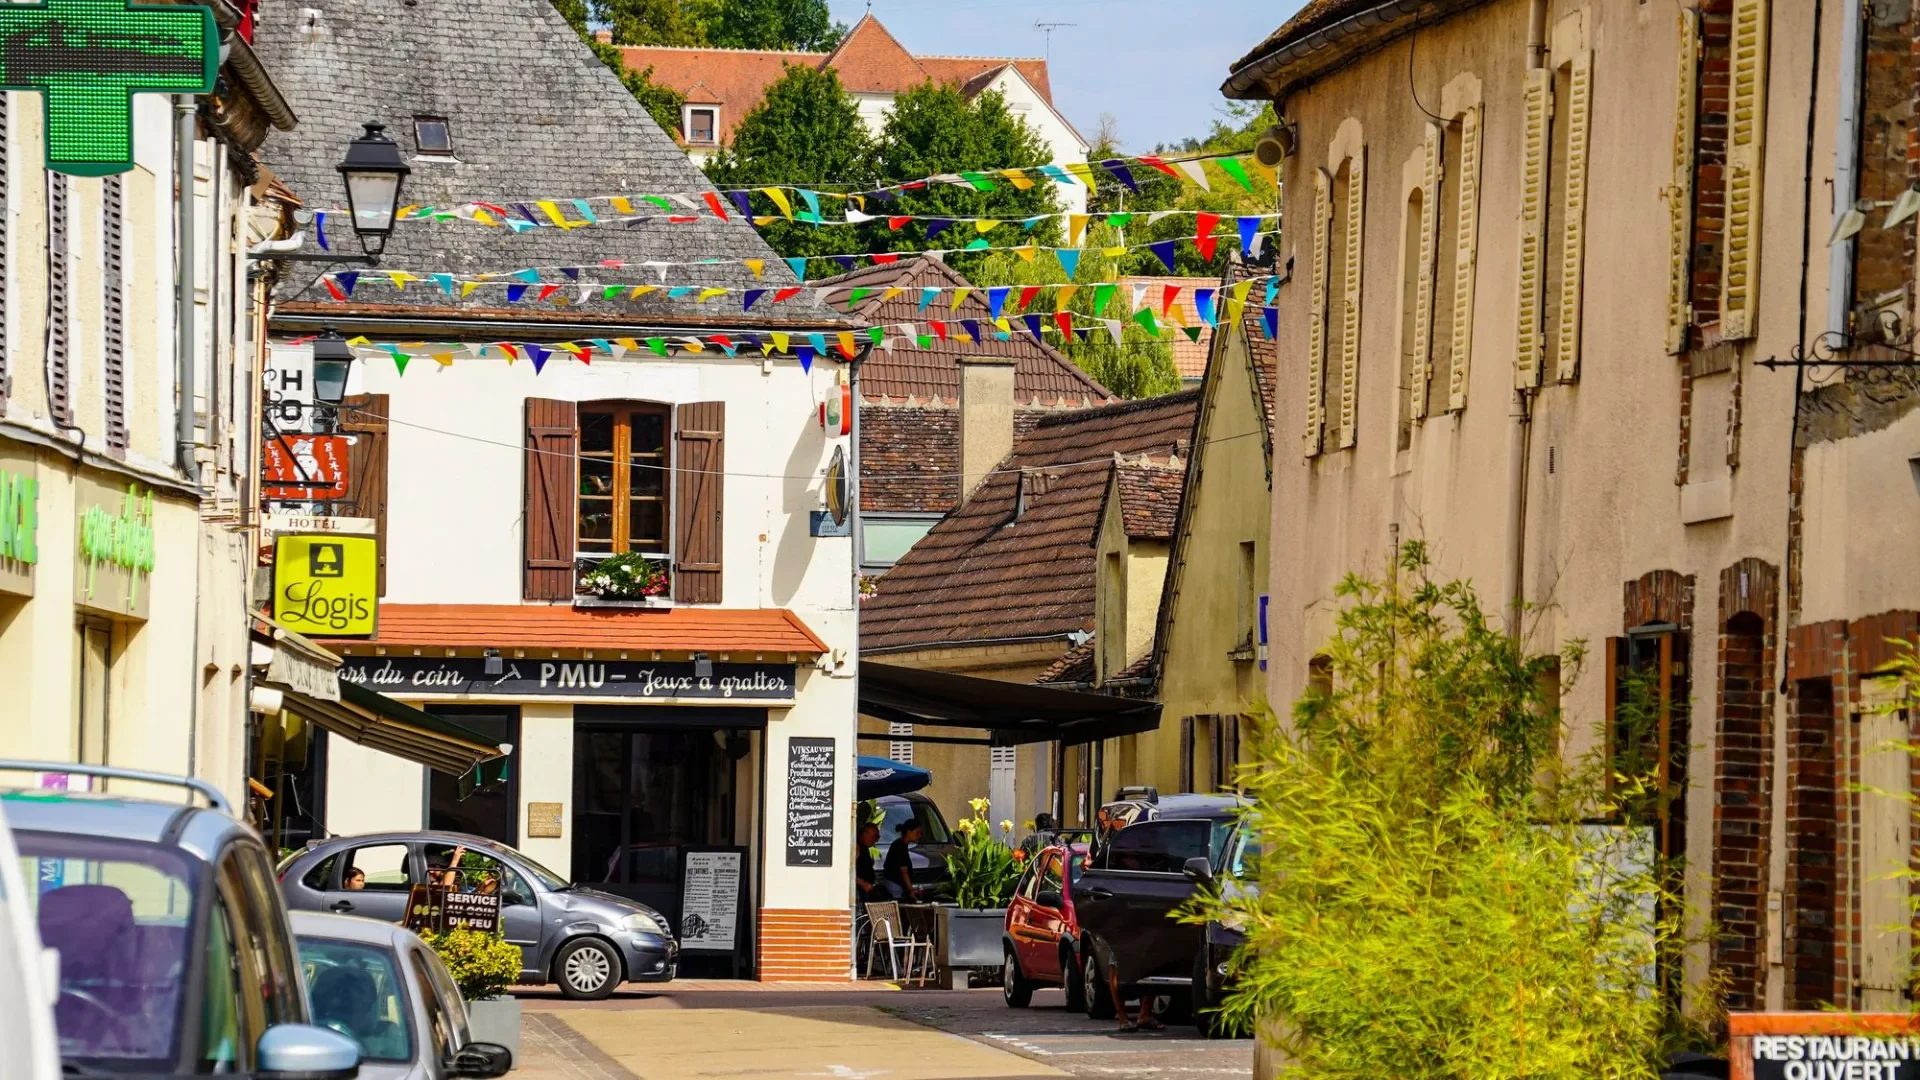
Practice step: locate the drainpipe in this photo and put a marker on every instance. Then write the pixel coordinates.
(1519, 412)
(185, 138)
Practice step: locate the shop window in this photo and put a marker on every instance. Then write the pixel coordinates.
(624, 502)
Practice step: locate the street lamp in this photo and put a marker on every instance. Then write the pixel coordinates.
(373, 171)
(332, 356)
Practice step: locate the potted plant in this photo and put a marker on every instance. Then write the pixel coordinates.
(629, 579)
(981, 874)
(483, 965)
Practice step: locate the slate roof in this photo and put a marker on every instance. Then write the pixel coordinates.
(982, 575)
(910, 456)
(1043, 376)
(533, 114)
(1189, 356)
(1149, 496)
(869, 60)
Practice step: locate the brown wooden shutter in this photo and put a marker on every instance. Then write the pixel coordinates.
(59, 375)
(114, 309)
(553, 442)
(364, 416)
(699, 492)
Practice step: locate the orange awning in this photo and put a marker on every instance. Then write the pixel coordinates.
(541, 626)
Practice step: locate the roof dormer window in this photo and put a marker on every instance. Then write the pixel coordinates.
(432, 136)
(701, 124)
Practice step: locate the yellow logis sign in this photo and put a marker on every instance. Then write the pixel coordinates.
(326, 585)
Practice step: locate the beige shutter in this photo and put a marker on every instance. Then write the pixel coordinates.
(1350, 296)
(1573, 233)
(1431, 171)
(1533, 224)
(1465, 243)
(1680, 191)
(1317, 307)
(1746, 138)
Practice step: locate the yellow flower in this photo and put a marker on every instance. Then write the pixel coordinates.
(1030, 825)
(979, 805)
(1006, 825)
(964, 825)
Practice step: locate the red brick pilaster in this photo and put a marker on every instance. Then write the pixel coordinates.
(805, 945)
(1743, 763)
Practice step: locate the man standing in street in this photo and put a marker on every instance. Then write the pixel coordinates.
(898, 871)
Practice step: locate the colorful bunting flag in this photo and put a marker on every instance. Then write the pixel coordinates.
(1069, 260)
(996, 300)
(1270, 320)
(1164, 252)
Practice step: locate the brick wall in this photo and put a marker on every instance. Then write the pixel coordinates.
(1660, 596)
(1883, 258)
(1743, 768)
(1710, 159)
(1811, 950)
(804, 944)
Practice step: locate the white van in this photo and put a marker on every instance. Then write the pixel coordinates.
(28, 978)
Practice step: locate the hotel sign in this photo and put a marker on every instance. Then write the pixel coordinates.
(326, 586)
(404, 676)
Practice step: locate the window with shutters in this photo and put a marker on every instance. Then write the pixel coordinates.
(1333, 373)
(113, 307)
(59, 328)
(1746, 144)
(1317, 310)
(1881, 260)
(1415, 279)
(1442, 282)
(1563, 260)
(625, 499)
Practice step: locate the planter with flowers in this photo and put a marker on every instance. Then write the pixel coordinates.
(982, 874)
(629, 579)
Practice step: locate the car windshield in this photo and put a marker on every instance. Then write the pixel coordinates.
(355, 990)
(119, 912)
(547, 878)
(933, 827)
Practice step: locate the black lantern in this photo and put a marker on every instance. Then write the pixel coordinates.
(332, 356)
(373, 171)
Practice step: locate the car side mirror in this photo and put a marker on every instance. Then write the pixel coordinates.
(481, 1060)
(1199, 870)
(1048, 898)
(305, 1052)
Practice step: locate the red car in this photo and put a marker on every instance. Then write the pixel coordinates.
(1042, 935)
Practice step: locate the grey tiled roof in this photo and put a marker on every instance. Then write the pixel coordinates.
(533, 113)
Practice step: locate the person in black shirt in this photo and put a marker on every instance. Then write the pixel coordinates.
(865, 878)
(898, 871)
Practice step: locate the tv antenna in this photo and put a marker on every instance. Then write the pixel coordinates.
(1048, 28)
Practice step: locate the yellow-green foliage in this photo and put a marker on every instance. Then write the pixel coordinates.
(483, 965)
(1429, 903)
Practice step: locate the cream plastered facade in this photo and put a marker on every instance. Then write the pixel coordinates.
(456, 467)
(1601, 503)
(106, 664)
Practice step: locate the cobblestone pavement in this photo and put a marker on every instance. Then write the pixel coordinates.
(860, 1032)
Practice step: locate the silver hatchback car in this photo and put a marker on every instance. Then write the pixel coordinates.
(584, 941)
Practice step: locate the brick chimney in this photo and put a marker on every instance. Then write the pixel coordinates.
(604, 37)
(986, 418)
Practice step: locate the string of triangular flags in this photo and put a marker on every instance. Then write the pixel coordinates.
(569, 212)
(547, 282)
(1212, 306)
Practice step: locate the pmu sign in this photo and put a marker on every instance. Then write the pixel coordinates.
(87, 58)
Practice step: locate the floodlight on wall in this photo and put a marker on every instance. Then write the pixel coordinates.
(491, 664)
(1904, 207)
(702, 666)
(1850, 223)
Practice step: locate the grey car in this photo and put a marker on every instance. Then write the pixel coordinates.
(379, 985)
(585, 942)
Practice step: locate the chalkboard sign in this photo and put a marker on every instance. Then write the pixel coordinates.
(710, 899)
(810, 804)
(473, 911)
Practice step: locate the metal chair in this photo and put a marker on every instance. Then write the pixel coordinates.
(889, 933)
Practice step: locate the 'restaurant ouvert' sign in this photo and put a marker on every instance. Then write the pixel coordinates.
(649, 680)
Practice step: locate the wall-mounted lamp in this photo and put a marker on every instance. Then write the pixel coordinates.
(702, 666)
(492, 664)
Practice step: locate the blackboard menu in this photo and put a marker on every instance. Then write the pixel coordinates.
(810, 805)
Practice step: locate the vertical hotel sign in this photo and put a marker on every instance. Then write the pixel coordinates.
(87, 58)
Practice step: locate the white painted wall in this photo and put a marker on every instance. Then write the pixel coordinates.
(546, 775)
(369, 791)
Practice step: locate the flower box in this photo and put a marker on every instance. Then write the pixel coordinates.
(970, 937)
(645, 602)
(496, 1020)
(626, 580)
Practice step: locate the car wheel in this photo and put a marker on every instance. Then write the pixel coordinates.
(1013, 985)
(1206, 1008)
(1093, 984)
(1071, 982)
(586, 969)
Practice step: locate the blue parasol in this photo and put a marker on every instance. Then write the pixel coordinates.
(884, 776)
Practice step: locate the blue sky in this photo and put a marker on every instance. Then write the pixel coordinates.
(1156, 65)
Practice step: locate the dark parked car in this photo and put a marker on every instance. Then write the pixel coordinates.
(1152, 853)
(1042, 939)
(585, 941)
(175, 953)
(936, 840)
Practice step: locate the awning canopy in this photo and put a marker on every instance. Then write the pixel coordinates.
(304, 674)
(1012, 713)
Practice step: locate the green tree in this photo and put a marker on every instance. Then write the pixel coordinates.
(661, 102)
(1433, 900)
(768, 24)
(1139, 365)
(1235, 133)
(806, 130)
(650, 22)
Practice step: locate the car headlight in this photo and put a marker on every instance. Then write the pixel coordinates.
(645, 923)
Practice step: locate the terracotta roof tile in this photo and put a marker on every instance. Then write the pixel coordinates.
(910, 456)
(1075, 666)
(872, 61)
(981, 574)
(1150, 496)
(734, 79)
(1042, 374)
(544, 626)
(968, 70)
(1189, 356)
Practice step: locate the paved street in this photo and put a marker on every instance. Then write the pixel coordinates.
(738, 1030)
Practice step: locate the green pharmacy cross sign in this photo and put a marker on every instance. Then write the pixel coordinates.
(87, 58)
